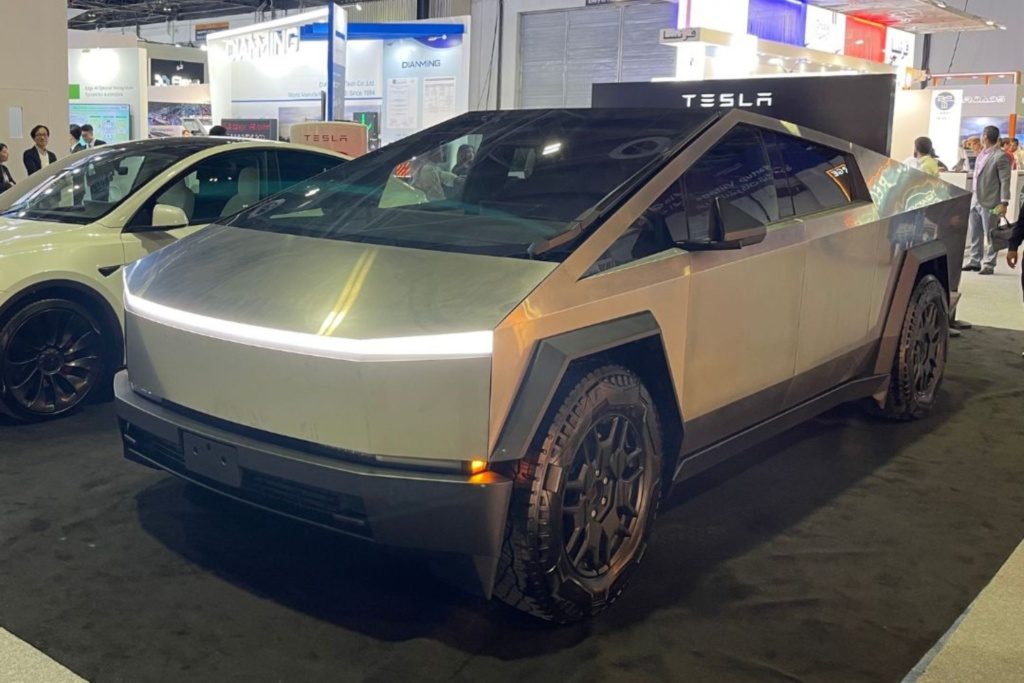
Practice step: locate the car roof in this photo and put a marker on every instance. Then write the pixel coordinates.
(188, 146)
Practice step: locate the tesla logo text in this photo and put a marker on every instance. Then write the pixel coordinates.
(325, 137)
(727, 99)
(421, 62)
(273, 43)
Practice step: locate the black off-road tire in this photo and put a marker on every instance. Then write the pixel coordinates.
(58, 346)
(920, 360)
(554, 563)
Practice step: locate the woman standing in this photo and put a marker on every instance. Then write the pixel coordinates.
(6, 179)
(38, 157)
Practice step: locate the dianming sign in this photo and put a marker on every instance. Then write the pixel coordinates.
(856, 108)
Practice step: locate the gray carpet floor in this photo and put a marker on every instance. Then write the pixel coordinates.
(840, 551)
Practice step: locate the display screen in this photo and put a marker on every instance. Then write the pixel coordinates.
(111, 122)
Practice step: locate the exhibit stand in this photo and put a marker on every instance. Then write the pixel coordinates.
(127, 89)
(398, 78)
(951, 113)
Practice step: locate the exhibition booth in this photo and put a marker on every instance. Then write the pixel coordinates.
(395, 78)
(127, 89)
(955, 108)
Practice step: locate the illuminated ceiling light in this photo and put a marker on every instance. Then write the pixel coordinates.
(989, 22)
(359, 7)
(203, 47)
(1001, 27)
(553, 148)
(940, 4)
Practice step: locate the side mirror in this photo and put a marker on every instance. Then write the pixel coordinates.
(166, 217)
(731, 228)
(734, 227)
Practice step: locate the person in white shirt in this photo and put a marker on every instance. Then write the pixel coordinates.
(38, 157)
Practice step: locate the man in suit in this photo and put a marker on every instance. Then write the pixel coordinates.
(991, 197)
(89, 136)
(37, 156)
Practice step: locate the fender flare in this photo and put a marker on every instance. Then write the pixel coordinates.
(549, 363)
(915, 260)
(107, 314)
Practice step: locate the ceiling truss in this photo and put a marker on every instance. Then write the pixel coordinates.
(94, 14)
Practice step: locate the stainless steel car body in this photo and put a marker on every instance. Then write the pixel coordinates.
(747, 334)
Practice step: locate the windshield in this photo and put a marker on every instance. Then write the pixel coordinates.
(487, 183)
(91, 184)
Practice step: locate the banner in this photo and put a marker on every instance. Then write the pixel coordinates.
(944, 123)
(337, 21)
(855, 108)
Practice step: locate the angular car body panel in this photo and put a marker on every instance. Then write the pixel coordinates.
(731, 336)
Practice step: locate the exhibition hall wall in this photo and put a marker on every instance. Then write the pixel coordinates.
(33, 86)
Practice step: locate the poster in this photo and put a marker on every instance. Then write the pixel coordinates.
(167, 119)
(438, 100)
(944, 123)
(402, 103)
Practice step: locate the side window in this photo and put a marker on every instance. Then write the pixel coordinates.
(783, 184)
(294, 167)
(655, 230)
(819, 176)
(214, 188)
(736, 170)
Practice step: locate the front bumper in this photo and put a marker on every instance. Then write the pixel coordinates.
(435, 512)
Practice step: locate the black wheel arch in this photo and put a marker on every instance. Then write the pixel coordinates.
(79, 293)
(634, 342)
(930, 258)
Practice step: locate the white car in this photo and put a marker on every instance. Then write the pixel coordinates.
(66, 231)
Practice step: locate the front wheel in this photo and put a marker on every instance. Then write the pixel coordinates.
(921, 356)
(584, 502)
(51, 359)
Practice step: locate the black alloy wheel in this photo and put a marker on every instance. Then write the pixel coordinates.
(605, 492)
(921, 356)
(584, 499)
(52, 357)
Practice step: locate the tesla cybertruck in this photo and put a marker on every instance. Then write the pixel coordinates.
(502, 340)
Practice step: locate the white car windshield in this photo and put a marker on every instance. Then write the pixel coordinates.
(94, 183)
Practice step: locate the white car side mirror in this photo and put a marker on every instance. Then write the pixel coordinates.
(167, 216)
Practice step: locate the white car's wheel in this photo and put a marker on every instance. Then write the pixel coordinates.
(52, 357)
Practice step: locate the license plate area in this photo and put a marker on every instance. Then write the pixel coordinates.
(211, 459)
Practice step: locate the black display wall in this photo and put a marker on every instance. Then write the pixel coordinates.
(857, 108)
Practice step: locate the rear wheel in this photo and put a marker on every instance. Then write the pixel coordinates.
(584, 502)
(921, 356)
(52, 357)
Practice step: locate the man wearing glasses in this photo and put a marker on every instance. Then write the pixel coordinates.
(38, 157)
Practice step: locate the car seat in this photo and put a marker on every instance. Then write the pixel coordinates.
(248, 191)
(181, 196)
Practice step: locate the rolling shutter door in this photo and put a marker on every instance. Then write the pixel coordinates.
(562, 53)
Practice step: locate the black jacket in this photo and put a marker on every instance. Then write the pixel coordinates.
(6, 179)
(1018, 234)
(31, 159)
